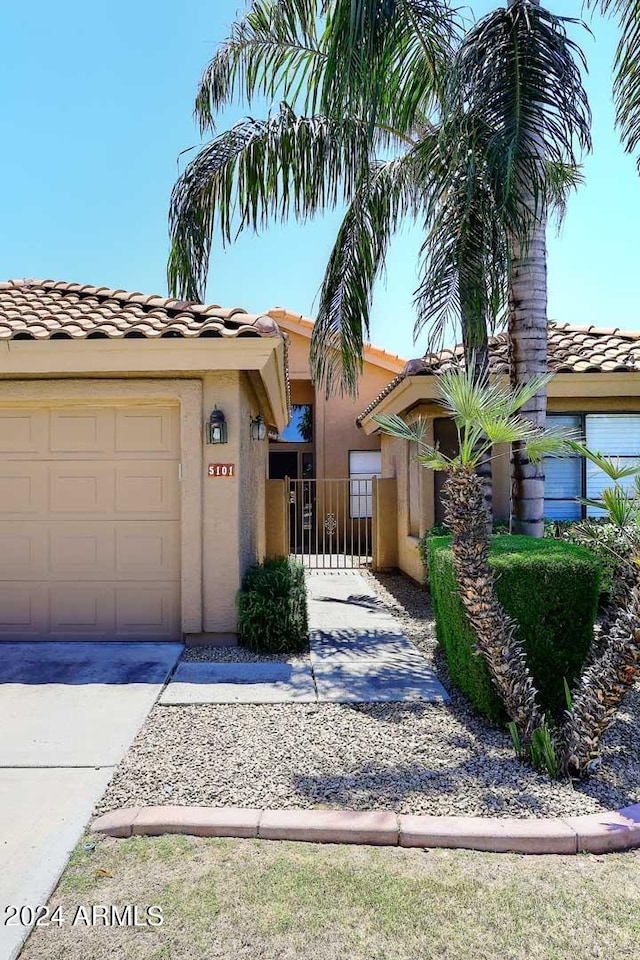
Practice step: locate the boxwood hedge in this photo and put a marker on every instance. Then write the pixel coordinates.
(549, 587)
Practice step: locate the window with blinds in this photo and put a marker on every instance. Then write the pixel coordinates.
(364, 465)
(615, 435)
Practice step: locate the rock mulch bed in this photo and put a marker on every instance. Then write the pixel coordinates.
(411, 758)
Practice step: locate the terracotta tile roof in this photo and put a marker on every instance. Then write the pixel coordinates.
(304, 324)
(50, 309)
(571, 350)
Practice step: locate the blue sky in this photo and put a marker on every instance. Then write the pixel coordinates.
(98, 105)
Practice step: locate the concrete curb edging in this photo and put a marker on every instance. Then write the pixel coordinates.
(604, 832)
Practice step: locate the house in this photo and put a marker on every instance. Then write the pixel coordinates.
(596, 390)
(133, 461)
(327, 459)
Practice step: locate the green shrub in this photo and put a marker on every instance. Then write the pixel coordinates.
(549, 587)
(272, 607)
(441, 530)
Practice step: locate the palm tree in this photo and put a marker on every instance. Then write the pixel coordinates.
(366, 87)
(520, 74)
(378, 80)
(377, 75)
(485, 413)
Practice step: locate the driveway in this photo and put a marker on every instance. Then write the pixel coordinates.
(68, 713)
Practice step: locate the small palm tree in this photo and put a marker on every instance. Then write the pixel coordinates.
(485, 413)
(616, 664)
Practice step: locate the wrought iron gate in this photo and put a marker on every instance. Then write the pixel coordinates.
(330, 522)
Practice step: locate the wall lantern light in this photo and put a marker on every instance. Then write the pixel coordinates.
(258, 428)
(216, 427)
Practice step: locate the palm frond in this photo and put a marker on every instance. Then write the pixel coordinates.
(385, 58)
(395, 426)
(517, 96)
(273, 51)
(626, 83)
(254, 173)
(610, 466)
(429, 455)
(620, 508)
(383, 198)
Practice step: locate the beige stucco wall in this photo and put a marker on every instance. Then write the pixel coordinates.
(277, 519)
(335, 429)
(254, 460)
(396, 463)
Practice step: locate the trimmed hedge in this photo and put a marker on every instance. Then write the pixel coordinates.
(272, 607)
(549, 587)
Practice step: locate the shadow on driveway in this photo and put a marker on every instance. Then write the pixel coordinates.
(77, 663)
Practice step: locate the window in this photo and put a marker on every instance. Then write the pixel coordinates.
(300, 428)
(563, 477)
(363, 466)
(614, 435)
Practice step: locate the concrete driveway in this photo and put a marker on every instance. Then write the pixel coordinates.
(68, 713)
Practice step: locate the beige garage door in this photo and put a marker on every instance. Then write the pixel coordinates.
(89, 523)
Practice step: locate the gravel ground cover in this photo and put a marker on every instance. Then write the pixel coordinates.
(412, 758)
(239, 654)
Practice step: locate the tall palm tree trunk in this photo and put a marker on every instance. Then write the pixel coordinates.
(496, 637)
(528, 347)
(528, 358)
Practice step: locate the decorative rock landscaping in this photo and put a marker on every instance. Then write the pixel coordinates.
(410, 758)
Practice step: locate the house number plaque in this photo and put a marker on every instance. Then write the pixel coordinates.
(222, 470)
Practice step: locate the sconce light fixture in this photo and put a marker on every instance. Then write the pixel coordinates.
(258, 428)
(216, 427)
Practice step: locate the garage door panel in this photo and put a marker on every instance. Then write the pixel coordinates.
(78, 430)
(145, 610)
(23, 433)
(147, 487)
(81, 551)
(23, 611)
(23, 550)
(81, 487)
(23, 489)
(147, 551)
(86, 612)
(147, 431)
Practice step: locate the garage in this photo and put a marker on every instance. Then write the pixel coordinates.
(89, 523)
(123, 516)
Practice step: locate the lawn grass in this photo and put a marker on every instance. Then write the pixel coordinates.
(257, 900)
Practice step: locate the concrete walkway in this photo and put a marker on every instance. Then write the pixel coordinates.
(359, 654)
(68, 714)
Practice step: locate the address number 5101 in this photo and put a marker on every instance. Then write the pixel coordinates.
(221, 469)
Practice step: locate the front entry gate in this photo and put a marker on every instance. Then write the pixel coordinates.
(330, 522)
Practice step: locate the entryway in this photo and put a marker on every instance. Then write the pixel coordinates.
(331, 522)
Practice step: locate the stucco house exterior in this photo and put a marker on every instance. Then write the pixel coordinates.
(323, 443)
(596, 390)
(118, 518)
